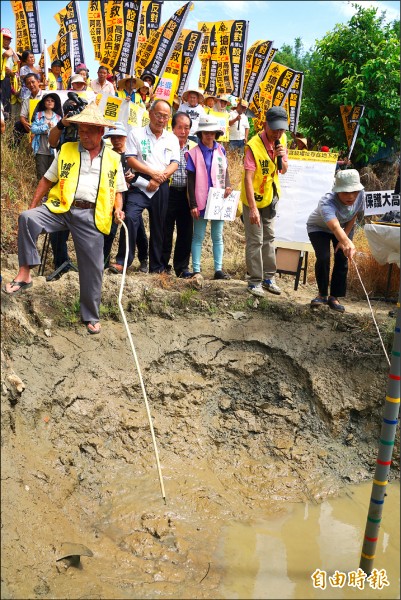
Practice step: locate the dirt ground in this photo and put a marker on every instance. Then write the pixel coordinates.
(254, 404)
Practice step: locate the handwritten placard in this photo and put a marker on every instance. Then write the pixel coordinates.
(219, 208)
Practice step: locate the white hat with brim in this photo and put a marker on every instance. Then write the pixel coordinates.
(91, 115)
(138, 83)
(77, 79)
(119, 130)
(223, 98)
(200, 95)
(347, 181)
(209, 124)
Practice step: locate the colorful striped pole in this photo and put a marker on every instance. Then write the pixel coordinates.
(383, 462)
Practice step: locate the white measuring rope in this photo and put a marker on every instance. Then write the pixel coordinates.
(136, 359)
(371, 310)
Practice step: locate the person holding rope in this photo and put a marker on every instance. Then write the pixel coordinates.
(82, 185)
(333, 222)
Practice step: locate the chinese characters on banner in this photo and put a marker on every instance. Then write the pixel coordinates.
(351, 116)
(122, 29)
(273, 90)
(182, 59)
(27, 26)
(257, 59)
(292, 103)
(219, 208)
(63, 50)
(150, 19)
(69, 20)
(222, 56)
(154, 55)
(380, 202)
(97, 25)
(166, 86)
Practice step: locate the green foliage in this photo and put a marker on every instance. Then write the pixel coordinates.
(356, 63)
(293, 57)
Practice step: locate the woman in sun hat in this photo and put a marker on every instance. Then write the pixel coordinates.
(207, 167)
(191, 104)
(333, 222)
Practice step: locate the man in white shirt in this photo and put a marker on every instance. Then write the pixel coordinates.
(101, 85)
(23, 125)
(154, 154)
(239, 126)
(191, 105)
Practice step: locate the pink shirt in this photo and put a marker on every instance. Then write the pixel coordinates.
(249, 160)
(107, 88)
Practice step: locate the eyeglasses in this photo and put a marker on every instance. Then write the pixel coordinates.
(161, 117)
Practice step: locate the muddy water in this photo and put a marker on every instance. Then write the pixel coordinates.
(275, 557)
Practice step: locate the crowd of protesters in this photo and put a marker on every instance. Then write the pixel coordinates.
(165, 170)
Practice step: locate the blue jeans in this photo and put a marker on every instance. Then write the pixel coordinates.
(216, 232)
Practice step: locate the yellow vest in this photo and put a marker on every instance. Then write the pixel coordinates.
(265, 175)
(138, 100)
(62, 193)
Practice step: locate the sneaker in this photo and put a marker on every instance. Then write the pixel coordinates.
(256, 289)
(221, 275)
(271, 286)
(144, 267)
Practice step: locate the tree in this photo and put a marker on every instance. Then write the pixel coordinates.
(293, 57)
(356, 63)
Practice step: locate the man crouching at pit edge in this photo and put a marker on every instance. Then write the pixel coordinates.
(83, 184)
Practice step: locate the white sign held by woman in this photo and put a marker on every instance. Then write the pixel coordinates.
(219, 208)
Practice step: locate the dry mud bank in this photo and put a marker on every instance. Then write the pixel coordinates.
(254, 405)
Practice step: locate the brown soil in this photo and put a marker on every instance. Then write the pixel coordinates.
(254, 403)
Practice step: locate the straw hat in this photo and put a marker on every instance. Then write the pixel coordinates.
(209, 123)
(91, 115)
(241, 102)
(138, 83)
(200, 95)
(207, 96)
(223, 98)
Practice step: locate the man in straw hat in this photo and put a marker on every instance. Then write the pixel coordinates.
(127, 88)
(83, 185)
(260, 193)
(191, 104)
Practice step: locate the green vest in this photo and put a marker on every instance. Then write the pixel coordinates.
(62, 193)
(265, 175)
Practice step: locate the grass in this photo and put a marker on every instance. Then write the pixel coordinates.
(19, 181)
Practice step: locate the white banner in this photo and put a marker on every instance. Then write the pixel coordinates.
(380, 202)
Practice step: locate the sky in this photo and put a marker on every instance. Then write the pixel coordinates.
(277, 21)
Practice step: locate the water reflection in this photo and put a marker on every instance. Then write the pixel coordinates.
(275, 557)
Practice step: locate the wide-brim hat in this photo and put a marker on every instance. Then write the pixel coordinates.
(91, 115)
(241, 102)
(118, 130)
(223, 98)
(207, 96)
(57, 103)
(150, 75)
(209, 123)
(347, 181)
(201, 97)
(138, 83)
(77, 79)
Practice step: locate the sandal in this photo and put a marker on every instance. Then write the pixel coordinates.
(335, 305)
(95, 329)
(116, 268)
(18, 285)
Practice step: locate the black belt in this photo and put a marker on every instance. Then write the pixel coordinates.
(179, 189)
(83, 204)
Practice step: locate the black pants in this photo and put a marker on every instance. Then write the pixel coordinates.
(19, 132)
(5, 87)
(179, 215)
(137, 202)
(141, 242)
(321, 241)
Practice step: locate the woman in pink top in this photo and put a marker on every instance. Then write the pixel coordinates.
(207, 167)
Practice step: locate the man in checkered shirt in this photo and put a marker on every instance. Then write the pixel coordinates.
(178, 212)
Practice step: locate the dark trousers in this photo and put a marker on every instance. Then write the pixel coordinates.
(321, 241)
(58, 241)
(179, 215)
(18, 133)
(142, 243)
(5, 87)
(157, 205)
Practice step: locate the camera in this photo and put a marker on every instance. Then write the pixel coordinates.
(74, 105)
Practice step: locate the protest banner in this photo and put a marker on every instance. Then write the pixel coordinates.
(380, 202)
(63, 49)
(122, 29)
(27, 26)
(182, 58)
(292, 103)
(273, 90)
(69, 19)
(154, 55)
(222, 56)
(166, 86)
(351, 116)
(310, 176)
(219, 208)
(97, 25)
(222, 120)
(150, 20)
(257, 59)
